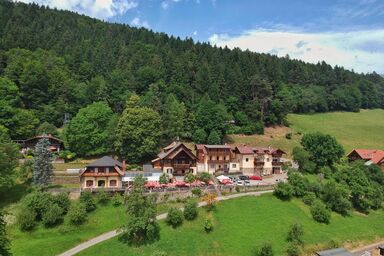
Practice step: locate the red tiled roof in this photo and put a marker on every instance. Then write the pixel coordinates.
(244, 150)
(375, 155)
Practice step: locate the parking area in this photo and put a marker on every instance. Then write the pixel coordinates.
(269, 180)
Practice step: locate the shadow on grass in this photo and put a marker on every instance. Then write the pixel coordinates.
(9, 195)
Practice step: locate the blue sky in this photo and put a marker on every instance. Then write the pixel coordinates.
(348, 33)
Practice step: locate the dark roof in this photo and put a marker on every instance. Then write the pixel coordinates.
(105, 161)
(48, 136)
(167, 151)
(334, 252)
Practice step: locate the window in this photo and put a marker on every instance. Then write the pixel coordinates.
(233, 165)
(219, 166)
(267, 159)
(89, 183)
(225, 158)
(217, 158)
(246, 159)
(101, 183)
(112, 183)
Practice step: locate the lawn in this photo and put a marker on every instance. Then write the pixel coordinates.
(352, 130)
(242, 224)
(51, 241)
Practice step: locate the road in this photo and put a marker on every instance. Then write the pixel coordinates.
(113, 233)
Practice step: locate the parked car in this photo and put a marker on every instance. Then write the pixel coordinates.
(240, 183)
(247, 182)
(255, 177)
(243, 177)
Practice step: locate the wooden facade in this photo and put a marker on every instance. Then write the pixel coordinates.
(105, 172)
(175, 159)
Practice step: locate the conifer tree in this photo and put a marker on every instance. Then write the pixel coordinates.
(42, 166)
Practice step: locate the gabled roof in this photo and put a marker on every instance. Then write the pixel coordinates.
(244, 150)
(170, 151)
(374, 155)
(105, 161)
(218, 146)
(268, 150)
(48, 136)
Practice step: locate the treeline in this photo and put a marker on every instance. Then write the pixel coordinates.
(56, 62)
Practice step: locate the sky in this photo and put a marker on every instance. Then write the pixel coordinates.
(348, 33)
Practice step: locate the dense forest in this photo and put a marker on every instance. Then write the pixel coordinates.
(55, 63)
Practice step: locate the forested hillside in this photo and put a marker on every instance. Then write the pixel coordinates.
(55, 62)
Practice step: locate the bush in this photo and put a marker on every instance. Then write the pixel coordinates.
(174, 217)
(77, 214)
(117, 200)
(298, 182)
(103, 197)
(309, 198)
(204, 176)
(288, 136)
(295, 233)
(63, 201)
(190, 210)
(237, 189)
(319, 212)
(208, 225)
(52, 215)
(38, 202)
(26, 218)
(87, 200)
(293, 249)
(164, 178)
(283, 191)
(265, 250)
(196, 192)
(190, 177)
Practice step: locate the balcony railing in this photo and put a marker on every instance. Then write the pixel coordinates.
(222, 161)
(182, 166)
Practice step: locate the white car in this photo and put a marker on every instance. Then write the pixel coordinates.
(240, 183)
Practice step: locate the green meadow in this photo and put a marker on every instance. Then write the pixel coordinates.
(243, 224)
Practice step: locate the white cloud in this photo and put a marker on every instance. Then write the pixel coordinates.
(195, 33)
(362, 51)
(164, 5)
(102, 9)
(137, 22)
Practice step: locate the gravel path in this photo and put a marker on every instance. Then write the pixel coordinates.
(115, 232)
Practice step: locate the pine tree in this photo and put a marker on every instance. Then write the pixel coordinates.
(42, 166)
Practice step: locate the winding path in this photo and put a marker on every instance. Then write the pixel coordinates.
(115, 232)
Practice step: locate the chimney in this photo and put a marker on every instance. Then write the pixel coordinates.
(124, 166)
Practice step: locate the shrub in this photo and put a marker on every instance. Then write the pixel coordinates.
(298, 182)
(319, 212)
(37, 201)
(237, 189)
(190, 210)
(164, 178)
(196, 192)
(288, 136)
(174, 217)
(309, 198)
(190, 177)
(52, 215)
(293, 249)
(208, 225)
(117, 200)
(77, 213)
(283, 191)
(204, 176)
(295, 233)
(336, 197)
(87, 200)
(264, 250)
(63, 201)
(103, 197)
(26, 218)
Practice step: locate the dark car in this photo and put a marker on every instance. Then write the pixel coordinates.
(243, 177)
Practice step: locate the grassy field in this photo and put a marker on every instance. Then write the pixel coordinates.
(352, 130)
(242, 224)
(51, 241)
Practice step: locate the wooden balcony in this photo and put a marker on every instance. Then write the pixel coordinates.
(100, 174)
(218, 161)
(182, 166)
